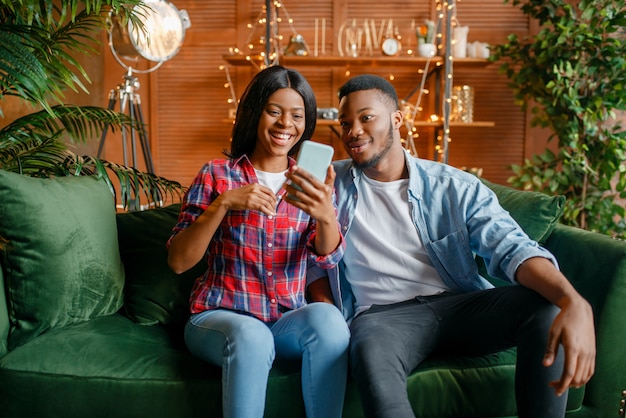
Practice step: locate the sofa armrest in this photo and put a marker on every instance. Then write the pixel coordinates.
(596, 266)
(4, 316)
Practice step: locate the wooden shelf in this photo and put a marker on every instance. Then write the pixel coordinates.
(402, 61)
(327, 122)
(477, 124)
(332, 61)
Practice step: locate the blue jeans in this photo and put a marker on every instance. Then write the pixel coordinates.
(245, 348)
(390, 341)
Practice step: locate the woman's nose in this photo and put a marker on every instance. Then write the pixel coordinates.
(285, 120)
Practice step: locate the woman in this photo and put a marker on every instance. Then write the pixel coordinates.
(250, 305)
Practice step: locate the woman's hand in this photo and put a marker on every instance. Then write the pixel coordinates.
(189, 245)
(316, 199)
(250, 197)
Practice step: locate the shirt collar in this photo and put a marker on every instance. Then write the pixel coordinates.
(244, 160)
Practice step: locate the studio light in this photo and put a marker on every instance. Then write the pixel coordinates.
(157, 38)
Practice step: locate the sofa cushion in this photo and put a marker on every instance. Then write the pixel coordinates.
(146, 371)
(153, 293)
(112, 367)
(5, 324)
(61, 259)
(537, 213)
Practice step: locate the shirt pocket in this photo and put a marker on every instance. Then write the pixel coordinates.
(293, 219)
(237, 218)
(455, 256)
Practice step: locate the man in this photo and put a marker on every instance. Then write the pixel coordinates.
(409, 282)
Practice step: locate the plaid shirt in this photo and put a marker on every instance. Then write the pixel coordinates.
(256, 263)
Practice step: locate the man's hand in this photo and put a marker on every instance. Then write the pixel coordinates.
(319, 291)
(573, 328)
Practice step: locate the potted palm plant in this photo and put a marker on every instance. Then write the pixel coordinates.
(38, 40)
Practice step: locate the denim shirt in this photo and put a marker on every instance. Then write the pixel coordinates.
(456, 216)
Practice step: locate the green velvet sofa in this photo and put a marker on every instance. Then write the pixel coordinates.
(91, 317)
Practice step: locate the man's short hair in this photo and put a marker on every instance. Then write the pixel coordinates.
(371, 82)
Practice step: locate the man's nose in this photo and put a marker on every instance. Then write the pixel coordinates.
(355, 130)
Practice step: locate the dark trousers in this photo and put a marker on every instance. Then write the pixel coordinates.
(389, 341)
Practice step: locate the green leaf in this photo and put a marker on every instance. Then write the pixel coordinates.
(574, 70)
(39, 41)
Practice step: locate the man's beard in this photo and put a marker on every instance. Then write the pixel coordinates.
(376, 158)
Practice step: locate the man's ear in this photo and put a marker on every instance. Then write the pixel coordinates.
(397, 118)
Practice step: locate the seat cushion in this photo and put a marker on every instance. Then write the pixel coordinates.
(153, 293)
(468, 387)
(113, 367)
(61, 261)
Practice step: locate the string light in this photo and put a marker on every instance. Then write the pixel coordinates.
(443, 9)
(261, 52)
(229, 85)
(451, 21)
(413, 111)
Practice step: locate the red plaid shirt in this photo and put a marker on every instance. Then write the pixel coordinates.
(256, 263)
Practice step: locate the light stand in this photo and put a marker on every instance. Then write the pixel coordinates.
(157, 39)
(130, 101)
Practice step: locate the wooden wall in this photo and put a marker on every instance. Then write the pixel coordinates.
(186, 102)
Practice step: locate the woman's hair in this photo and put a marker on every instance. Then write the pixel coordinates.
(253, 101)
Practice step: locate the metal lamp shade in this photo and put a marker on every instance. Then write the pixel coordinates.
(160, 38)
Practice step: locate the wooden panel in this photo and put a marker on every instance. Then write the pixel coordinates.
(187, 100)
(492, 149)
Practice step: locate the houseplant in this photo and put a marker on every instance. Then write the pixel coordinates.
(572, 76)
(38, 43)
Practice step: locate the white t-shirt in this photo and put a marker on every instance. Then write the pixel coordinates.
(394, 266)
(272, 180)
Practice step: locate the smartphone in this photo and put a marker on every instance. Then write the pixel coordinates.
(315, 158)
